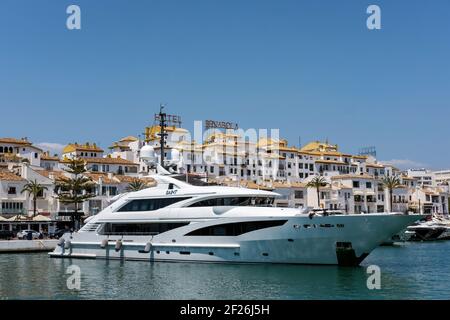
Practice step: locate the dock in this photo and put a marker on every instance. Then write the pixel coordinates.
(18, 246)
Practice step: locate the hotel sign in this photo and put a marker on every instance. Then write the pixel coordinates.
(210, 124)
(171, 120)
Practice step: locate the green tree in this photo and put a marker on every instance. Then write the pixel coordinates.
(137, 184)
(390, 183)
(316, 183)
(34, 189)
(76, 189)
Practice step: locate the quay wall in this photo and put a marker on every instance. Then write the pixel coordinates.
(16, 246)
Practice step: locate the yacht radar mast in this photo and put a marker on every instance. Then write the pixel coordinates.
(162, 135)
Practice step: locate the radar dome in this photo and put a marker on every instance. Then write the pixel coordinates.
(148, 154)
(175, 155)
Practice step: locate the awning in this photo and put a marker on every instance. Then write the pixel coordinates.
(42, 218)
(19, 218)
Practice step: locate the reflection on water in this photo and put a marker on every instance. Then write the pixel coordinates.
(416, 270)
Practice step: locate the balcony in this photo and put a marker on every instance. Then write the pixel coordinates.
(12, 211)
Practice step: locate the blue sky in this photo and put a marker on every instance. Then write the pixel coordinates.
(310, 68)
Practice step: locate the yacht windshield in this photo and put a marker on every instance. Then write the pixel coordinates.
(235, 201)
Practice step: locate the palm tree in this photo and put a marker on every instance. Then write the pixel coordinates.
(317, 182)
(77, 189)
(390, 183)
(34, 189)
(136, 184)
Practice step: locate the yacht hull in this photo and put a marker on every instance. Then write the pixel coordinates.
(329, 240)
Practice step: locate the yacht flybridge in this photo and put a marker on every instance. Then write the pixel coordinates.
(175, 221)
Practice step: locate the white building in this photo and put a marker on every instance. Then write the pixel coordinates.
(12, 149)
(354, 181)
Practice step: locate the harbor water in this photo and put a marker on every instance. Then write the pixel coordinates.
(408, 271)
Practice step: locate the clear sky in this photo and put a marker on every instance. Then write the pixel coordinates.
(310, 68)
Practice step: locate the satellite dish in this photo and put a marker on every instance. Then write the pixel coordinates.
(148, 154)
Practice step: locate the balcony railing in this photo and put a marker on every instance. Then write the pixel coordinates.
(12, 211)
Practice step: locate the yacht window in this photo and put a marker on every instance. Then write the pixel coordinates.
(236, 229)
(150, 204)
(235, 201)
(139, 228)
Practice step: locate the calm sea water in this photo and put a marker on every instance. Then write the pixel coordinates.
(409, 271)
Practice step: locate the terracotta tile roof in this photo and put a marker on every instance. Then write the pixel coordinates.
(46, 157)
(319, 146)
(106, 160)
(310, 153)
(110, 161)
(151, 132)
(104, 177)
(56, 174)
(12, 157)
(253, 185)
(129, 139)
(332, 153)
(332, 162)
(127, 179)
(119, 145)
(9, 176)
(353, 176)
(280, 185)
(374, 165)
(149, 180)
(82, 147)
(15, 141)
(298, 185)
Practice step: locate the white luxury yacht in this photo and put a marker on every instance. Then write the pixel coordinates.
(176, 221)
(436, 228)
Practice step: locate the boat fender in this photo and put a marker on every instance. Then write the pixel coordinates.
(104, 243)
(61, 242)
(67, 245)
(148, 247)
(118, 245)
